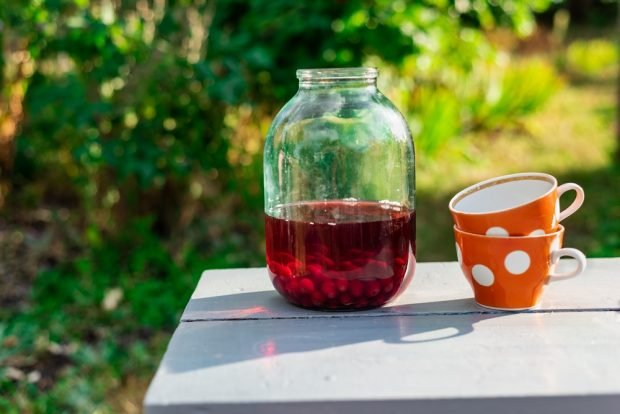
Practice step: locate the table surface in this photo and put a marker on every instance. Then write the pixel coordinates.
(240, 347)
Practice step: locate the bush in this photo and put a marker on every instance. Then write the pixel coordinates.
(435, 119)
(492, 96)
(592, 58)
(507, 93)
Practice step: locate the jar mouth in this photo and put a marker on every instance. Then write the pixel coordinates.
(328, 74)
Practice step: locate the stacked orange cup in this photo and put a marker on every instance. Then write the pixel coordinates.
(509, 237)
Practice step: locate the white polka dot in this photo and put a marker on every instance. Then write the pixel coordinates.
(497, 232)
(459, 255)
(483, 275)
(538, 232)
(517, 262)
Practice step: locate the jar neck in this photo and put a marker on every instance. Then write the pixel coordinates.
(362, 79)
(366, 85)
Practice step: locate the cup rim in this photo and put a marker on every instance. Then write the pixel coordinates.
(560, 230)
(499, 180)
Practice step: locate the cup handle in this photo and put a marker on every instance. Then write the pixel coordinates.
(576, 203)
(570, 252)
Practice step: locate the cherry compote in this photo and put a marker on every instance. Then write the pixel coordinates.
(340, 255)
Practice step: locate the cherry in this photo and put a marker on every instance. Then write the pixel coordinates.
(387, 285)
(347, 265)
(306, 286)
(326, 261)
(282, 257)
(372, 288)
(356, 288)
(346, 300)
(378, 301)
(280, 270)
(342, 285)
(295, 266)
(292, 287)
(329, 289)
(333, 274)
(320, 282)
(317, 298)
(315, 269)
(279, 285)
(311, 258)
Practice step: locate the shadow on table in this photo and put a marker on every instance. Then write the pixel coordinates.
(204, 344)
(268, 304)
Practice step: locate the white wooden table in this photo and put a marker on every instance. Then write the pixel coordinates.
(241, 348)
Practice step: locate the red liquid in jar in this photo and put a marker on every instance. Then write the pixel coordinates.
(340, 254)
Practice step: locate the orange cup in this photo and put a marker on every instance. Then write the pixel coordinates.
(509, 273)
(513, 205)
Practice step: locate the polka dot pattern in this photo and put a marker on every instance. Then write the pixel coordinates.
(517, 262)
(537, 232)
(497, 232)
(483, 275)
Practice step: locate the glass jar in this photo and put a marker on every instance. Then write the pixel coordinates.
(339, 172)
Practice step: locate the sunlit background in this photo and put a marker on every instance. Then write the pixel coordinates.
(131, 137)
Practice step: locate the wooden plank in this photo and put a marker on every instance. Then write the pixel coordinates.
(437, 288)
(466, 363)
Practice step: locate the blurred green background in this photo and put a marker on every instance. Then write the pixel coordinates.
(131, 137)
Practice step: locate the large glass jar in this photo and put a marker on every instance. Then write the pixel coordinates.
(339, 194)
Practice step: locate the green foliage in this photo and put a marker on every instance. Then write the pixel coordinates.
(591, 58)
(137, 262)
(506, 95)
(436, 120)
(495, 95)
(105, 337)
(607, 230)
(144, 91)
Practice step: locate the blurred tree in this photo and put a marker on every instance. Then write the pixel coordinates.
(125, 101)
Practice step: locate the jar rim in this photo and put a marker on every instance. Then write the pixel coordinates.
(319, 74)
